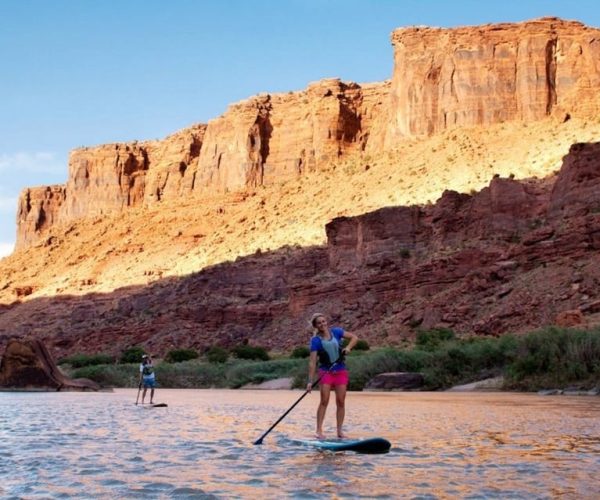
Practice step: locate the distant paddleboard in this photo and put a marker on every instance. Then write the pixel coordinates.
(372, 445)
(154, 405)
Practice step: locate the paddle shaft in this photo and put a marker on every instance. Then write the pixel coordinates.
(138, 394)
(260, 439)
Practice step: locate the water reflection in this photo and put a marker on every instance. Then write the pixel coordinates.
(445, 445)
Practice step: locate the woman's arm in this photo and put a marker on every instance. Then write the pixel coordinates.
(353, 340)
(312, 368)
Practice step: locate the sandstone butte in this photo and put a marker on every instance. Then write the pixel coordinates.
(464, 192)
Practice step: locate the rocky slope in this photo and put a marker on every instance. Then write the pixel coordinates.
(167, 219)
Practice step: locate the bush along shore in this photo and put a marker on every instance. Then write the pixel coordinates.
(551, 358)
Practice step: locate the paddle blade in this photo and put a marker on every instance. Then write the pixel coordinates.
(258, 441)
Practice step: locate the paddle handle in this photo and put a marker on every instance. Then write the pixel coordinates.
(260, 439)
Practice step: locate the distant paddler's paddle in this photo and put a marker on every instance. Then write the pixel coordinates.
(138, 396)
(260, 439)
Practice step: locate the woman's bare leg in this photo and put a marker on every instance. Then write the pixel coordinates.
(325, 391)
(340, 401)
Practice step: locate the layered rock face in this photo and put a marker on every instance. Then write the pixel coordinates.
(104, 180)
(489, 74)
(263, 140)
(510, 258)
(110, 178)
(171, 163)
(38, 209)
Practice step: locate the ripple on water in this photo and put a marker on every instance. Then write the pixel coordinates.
(112, 482)
(190, 493)
(91, 471)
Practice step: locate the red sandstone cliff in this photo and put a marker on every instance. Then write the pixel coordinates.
(442, 78)
(120, 254)
(263, 140)
(489, 74)
(513, 257)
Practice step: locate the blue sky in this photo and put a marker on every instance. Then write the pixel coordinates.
(85, 72)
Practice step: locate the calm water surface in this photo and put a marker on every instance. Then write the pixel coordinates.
(444, 445)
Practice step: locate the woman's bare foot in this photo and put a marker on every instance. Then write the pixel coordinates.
(342, 435)
(319, 435)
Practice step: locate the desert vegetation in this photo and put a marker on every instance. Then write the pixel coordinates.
(550, 358)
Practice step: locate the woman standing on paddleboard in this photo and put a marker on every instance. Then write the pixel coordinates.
(147, 377)
(325, 346)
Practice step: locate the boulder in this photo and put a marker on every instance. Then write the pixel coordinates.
(275, 384)
(395, 381)
(27, 365)
(488, 384)
(568, 319)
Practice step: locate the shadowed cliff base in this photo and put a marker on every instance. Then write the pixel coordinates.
(513, 257)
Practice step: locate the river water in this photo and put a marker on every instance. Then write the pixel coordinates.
(444, 445)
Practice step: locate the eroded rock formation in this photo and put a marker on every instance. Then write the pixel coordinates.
(27, 365)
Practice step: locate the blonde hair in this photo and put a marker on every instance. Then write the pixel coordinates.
(313, 318)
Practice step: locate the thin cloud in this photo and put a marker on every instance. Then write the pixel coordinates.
(38, 162)
(6, 249)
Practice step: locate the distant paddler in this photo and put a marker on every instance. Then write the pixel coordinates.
(147, 377)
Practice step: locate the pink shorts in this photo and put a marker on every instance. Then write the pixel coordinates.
(339, 377)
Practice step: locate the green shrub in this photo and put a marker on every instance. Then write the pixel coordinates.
(191, 374)
(300, 352)
(429, 340)
(110, 375)
(362, 345)
(81, 360)
(251, 352)
(243, 373)
(364, 368)
(132, 355)
(550, 358)
(463, 361)
(179, 355)
(556, 357)
(217, 355)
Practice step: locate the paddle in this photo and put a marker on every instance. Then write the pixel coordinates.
(138, 396)
(260, 439)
